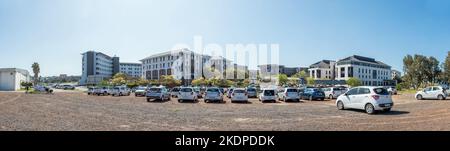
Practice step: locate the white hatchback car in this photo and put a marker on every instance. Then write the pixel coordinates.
(120, 91)
(370, 99)
(433, 92)
(239, 94)
(213, 94)
(287, 94)
(268, 95)
(187, 93)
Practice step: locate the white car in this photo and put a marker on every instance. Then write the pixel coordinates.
(187, 93)
(268, 95)
(370, 99)
(103, 91)
(213, 94)
(239, 95)
(288, 94)
(120, 91)
(175, 91)
(334, 92)
(140, 91)
(433, 92)
(157, 93)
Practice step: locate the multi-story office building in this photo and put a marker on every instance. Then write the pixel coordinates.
(395, 74)
(368, 70)
(131, 69)
(97, 66)
(323, 70)
(273, 69)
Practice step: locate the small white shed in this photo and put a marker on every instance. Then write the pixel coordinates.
(10, 78)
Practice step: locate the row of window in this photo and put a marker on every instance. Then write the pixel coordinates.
(156, 66)
(164, 58)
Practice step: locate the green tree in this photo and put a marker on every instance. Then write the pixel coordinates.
(310, 81)
(282, 79)
(199, 82)
(446, 69)
(353, 82)
(169, 81)
(301, 74)
(119, 79)
(36, 71)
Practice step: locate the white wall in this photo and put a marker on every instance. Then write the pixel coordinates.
(10, 81)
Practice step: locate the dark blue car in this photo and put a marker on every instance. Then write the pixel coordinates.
(313, 94)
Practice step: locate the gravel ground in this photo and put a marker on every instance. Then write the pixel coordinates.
(75, 111)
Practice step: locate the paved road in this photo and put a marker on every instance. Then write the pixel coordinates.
(77, 111)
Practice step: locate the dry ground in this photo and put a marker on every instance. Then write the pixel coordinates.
(77, 111)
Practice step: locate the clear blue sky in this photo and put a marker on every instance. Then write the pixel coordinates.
(55, 32)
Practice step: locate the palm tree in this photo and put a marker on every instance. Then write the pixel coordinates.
(36, 71)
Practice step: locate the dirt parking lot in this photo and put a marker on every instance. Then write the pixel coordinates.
(78, 111)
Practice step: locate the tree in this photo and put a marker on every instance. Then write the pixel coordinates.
(119, 79)
(36, 71)
(169, 81)
(142, 82)
(310, 81)
(199, 82)
(353, 82)
(446, 69)
(301, 74)
(282, 79)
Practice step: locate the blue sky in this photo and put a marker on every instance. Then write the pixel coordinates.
(55, 32)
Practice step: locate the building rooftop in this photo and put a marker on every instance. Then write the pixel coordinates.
(363, 59)
(322, 64)
(22, 71)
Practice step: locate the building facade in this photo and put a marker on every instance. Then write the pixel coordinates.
(11, 78)
(368, 70)
(97, 66)
(323, 70)
(131, 69)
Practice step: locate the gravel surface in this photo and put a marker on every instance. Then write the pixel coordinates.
(75, 111)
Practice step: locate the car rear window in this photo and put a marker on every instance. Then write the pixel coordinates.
(239, 91)
(381, 91)
(186, 90)
(176, 89)
(292, 90)
(251, 89)
(155, 90)
(212, 90)
(269, 92)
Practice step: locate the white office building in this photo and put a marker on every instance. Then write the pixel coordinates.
(11, 78)
(131, 69)
(368, 70)
(97, 66)
(323, 70)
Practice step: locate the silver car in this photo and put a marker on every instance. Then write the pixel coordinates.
(158, 93)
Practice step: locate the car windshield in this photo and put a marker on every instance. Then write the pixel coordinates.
(155, 90)
(239, 91)
(212, 90)
(292, 90)
(251, 89)
(186, 90)
(141, 88)
(381, 91)
(269, 92)
(175, 89)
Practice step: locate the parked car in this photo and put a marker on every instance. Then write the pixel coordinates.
(174, 92)
(213, 94)
(392, 90)
(43, 89)
(313, 94)
(103, 91)
(187, 93)
(239, 94)
(432, 92)
(140, 91)
(198, 92)
(91, 90)
(229, 91)
(68, 87)
(120, 91)
(288, 94)
(268, 95)
(370, 99)
(157, 93)
(334, 92)
(251, 91)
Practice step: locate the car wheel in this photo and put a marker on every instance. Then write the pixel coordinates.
(369, 109)
(148, 100)
(206, 101)
(330, 97)
(440, 97)
(340, 105)
(310, 98)
(419, 97)
(284, 99)
(180, 100)
(387, 110)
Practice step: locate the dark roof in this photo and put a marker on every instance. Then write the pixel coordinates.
(363, 59)
(321, 64)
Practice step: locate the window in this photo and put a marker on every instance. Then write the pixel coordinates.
(364, 91)
(342, 72)
(350, 72)
(381, 91)
(353, 91)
